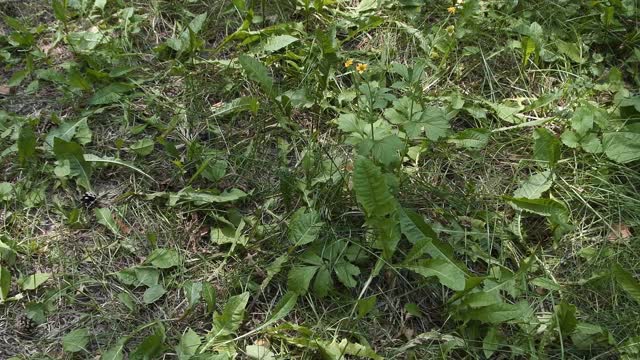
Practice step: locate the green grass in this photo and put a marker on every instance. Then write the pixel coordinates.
(233, 135)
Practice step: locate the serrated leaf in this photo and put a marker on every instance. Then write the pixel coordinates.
(245, 103)
(257, 72)
(448, 274)
(75, 340)
(304, 227)
(543, 207)
(33, 281)
(105, 218)
(371, 189)
(188, 345)
(582, 120)
(535, 185)
(73, 153)
(300, 277)
(164, 258)
(627, 282)
(153, 294)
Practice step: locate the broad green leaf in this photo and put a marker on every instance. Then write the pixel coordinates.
(151, 347)
(535, 185)
(105, 218)
(274, 268)
(209, 295)
(198, 197)
(591, 144)
(499, 313)
(69, 130)
(587, 335)
(17, 78)
(232, 315)
(143, 147)
(33, 281)
(420, 233)
(6, 191)
(623, 146)
(128, 301)
(627, 282)
(188, 345)
(365, 306)
(278, 42)
(146, 275)
(153, 294)
(543, 207)
(570, 138)
(257, 72)
(245, 103)
(386, 150)
(59, 9)
(300, 278)
(337, 350)
(347, 273)
(229, 235)
(565, 316)
(582, 120)
(371, 189)
(26, 144)
(546, 146)
(572, 50)
(323, 282)
(75, 340)
(491, 342)
(73, 153)
(5, 283)
(283, 307)
(304, 227)
(435, 122)
(193, 292)
(448, 274)
(116, 352)
(471, 138)
(109, 94)
(258, 352)
(164, 258)
(99, 4)
(84, 41)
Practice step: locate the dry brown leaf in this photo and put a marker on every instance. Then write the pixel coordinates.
(619, 232)
(5, 90)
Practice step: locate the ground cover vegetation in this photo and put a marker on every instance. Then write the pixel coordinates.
(330, 179)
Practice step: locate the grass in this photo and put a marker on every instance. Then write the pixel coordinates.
(157, 266)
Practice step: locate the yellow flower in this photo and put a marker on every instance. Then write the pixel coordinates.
(450, 29)
(361, 68)
(348, 63)
(452, 10)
